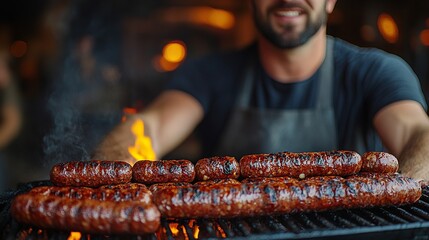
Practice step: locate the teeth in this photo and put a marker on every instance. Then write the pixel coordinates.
(288, 13)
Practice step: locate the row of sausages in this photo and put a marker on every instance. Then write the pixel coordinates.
(297, 165)
(134, 209)
(98, 196)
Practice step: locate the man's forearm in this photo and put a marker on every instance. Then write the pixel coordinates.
(115, 145)
(414, 158)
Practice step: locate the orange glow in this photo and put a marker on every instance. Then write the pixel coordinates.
(217, 18)
(142, 149)
(18, 48)
(162, 65)
(174, 52)
(75, 236)
(424, 37)
(388, 28)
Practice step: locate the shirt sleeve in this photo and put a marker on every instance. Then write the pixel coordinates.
(390, 79)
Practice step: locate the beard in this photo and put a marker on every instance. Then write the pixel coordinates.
(287, 39)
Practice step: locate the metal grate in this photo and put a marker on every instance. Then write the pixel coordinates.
(405, 222)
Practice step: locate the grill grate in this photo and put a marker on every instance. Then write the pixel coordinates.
(405, 222)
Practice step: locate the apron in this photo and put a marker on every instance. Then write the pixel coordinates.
(250, 130)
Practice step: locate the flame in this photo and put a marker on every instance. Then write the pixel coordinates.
(174, 229)
(220, 231)
(195, 228)
(196, 232)
(142, 149)
(74, 236)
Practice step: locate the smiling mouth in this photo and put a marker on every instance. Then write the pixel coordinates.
(288, 13)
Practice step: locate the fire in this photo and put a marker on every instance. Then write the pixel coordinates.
(196, 232)
(195, 228)
(221, 231)
(142, 149)
(74, 236)
(174, 229)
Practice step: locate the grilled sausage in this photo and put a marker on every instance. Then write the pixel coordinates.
(313, 194)
(163, 171)
(217, 168)
(90, 173)
(300, 165)
(85, 215)
(217, 182)
(209, 201)
(125, 192)
(261, 180)
(157, 186)
(379, 162)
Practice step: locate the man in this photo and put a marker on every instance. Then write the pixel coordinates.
(295, 90)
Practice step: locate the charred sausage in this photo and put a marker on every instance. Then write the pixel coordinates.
(85, 215)
(300, 165)
(313, 194)
(261, 180)
(157, 186)
(217, 182)
(126, 192)
(217, 168)
(90, 173)
(379, 162)
(163, 171)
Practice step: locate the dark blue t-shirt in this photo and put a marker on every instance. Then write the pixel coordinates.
(365, 81)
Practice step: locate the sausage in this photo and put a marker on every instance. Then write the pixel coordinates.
(312, 194)
(260, 180)
(300, 165)
(124, 186)
(217, 182)
(379, 162)
(157, 186)
(85, 215)
(126, 192)
(217, 168)
(163, 171)
(209, 201)
(90, 173)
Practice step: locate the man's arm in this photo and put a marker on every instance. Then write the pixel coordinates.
(404, 130)
(168, 121)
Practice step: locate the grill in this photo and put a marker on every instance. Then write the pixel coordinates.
(405, 222)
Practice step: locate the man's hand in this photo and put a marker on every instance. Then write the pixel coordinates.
(414, 159)
(167, 121)
(115, 145)
(404, 130)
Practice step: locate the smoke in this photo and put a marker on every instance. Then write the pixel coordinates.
(86, 97)
(65, 141)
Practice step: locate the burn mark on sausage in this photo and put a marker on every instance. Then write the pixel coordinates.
(351, 187)
(228, 168)
(271, 193)
(175, 169)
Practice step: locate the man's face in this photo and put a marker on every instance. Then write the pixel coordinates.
(289, 24)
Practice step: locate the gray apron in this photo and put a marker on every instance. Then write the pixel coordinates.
(251, 130)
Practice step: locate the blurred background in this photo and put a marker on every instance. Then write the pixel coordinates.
(71, 70)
